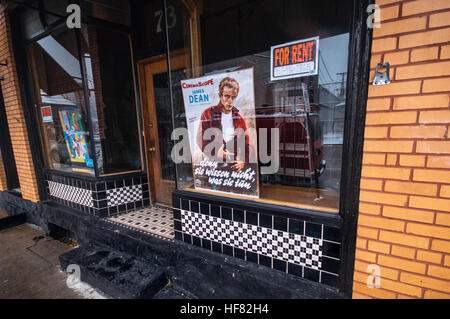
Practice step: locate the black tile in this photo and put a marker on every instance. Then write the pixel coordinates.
(265, 221)
(185, 204)
(145, 187)
(330, 265)
(295, 270)
(206, 244)
(129, 182)
(187, 239)
(215, 211)
(144, 179)
(226, 213)
(238, 215)
(177, 214)
(130, 207)
(216, 247)
(120, 183)
(195, 207)
(296, 226)
(137, 180)
(196, 241)
(138, 204)
(101, 195)
(265, 261)
(102, 213)
(252, 257)
(329, 279)
(110, 185)
(113, 210)
(176, 202)
(228, 250)
(146, 202)
(102, 204)
(312, 274)
(122, 208)
(331, 249)
(145, 194)
(178, 236)
(330, 233)
(204, 208)
(279, 265)
(239, 253)
(280, 223)
(177, 225)
(251, 218)
(313, 230)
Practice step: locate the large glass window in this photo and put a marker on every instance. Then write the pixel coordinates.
(307, 111)
(59, 93)
(84, 89)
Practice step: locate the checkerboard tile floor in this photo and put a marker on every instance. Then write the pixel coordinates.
(156, 220)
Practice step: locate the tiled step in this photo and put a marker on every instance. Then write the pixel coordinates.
(156, 220)
(116, 273)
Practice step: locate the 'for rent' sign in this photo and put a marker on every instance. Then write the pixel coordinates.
(295, 59)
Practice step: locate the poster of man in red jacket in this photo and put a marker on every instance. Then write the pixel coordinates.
(223, 134)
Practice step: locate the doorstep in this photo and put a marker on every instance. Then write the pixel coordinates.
(156, 221)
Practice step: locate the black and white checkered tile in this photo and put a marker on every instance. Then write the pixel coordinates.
(156, 221)
(124, 195)
(71, 194)
(301, 250)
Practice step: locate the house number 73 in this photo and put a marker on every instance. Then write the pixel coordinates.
(171, 18)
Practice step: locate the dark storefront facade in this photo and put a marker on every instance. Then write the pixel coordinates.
(103, 100)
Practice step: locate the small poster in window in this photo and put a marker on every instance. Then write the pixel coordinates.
(294, 59)
(220, 113)
(74, 136)
(47, 116)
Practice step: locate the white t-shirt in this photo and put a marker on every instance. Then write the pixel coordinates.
(227, 127)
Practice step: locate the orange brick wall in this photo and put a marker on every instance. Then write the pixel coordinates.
(404, 219)
(15, 116)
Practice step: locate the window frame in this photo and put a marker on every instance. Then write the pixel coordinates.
(20, 45)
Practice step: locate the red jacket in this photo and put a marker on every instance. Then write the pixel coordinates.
(212, 118)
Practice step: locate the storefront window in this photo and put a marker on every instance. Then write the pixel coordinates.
(110, 84)
(58, 87)
(68, 66)
(279, 68)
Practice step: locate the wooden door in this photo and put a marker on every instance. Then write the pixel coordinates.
(158, 125)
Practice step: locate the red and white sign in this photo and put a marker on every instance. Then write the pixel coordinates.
(294, 59)
(47, 116)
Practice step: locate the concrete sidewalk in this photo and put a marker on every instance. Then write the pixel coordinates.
(29, 266)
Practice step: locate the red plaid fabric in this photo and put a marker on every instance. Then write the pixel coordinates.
(212, 118)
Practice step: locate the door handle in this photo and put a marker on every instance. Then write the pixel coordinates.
(152, 149)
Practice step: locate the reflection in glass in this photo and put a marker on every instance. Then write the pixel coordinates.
(109, 72)
(308, 111)
(59, 94)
